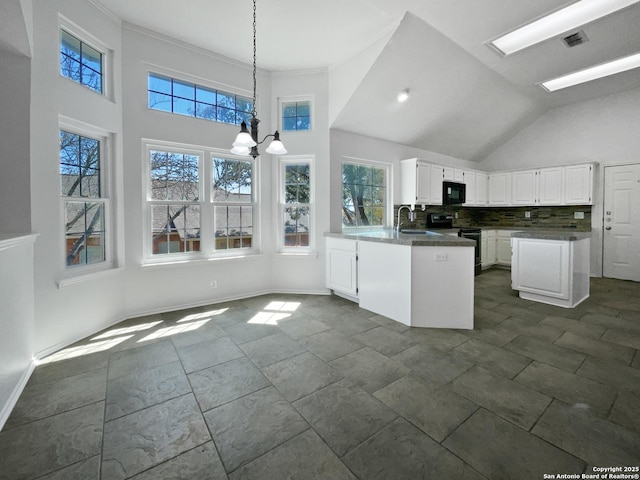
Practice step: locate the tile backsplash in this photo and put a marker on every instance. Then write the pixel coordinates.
(540, 217)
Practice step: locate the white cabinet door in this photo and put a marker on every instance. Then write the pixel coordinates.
(470, 182)
(523, 189)
(541, 267)
(550, 186)
(488, 248)
(500, 188)
(342, 267)
(578, 184)
(437, 176)
(482, 180)
(491, 250)
(503, 247)
(423, 183)
(458, 175)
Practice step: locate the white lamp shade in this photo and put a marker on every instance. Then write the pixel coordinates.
(276, 148)
(244, 140)
(243, 151)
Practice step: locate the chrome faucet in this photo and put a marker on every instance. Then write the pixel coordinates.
(412, 216)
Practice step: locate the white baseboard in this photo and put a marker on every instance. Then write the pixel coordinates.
(7, 408)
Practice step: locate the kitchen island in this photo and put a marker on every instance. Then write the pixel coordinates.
(551, 266)
(419, 279)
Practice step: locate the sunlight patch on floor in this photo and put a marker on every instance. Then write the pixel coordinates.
(199, 316)
(268, 318)
(174, 330)
(81, 350)
(123, 331)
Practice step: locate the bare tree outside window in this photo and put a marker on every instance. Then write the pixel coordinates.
(364, 194)
(80, 62)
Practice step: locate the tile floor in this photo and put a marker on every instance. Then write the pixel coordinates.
(309, 387)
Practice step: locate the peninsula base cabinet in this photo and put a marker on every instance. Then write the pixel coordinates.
(555, 272)
(342, 267)
(418, 286)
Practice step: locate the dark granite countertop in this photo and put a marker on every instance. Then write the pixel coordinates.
(562, 235)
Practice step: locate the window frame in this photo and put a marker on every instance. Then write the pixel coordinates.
(388, 207)
(91, 41)
(282, 204)
(106, 198)
(282, 101)
(207, 205)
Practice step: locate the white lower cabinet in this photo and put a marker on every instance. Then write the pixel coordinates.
(551, 271)
(503, 247)
(342, 266)
(488, 248)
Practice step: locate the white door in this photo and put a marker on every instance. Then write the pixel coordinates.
(621, 235)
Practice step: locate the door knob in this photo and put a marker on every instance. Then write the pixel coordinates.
(607, 228)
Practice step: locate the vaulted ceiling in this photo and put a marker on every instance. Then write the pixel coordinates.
(465, 99)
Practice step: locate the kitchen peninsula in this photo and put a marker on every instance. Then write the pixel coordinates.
(420, 280)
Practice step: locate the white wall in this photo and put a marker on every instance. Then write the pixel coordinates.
(604, 130)
(346, 144)
(72, 312)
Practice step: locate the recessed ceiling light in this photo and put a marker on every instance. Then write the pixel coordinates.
(592, 73)
(560, 21)
(403, 96)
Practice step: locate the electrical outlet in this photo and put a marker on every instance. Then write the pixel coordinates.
(213, 284)
(527, 214)
(442, 257)
(578, 215)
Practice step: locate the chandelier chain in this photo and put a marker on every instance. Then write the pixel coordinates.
(253, 107)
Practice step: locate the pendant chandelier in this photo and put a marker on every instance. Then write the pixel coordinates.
(247, 142)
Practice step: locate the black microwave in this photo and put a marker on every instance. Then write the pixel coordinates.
(453, 193)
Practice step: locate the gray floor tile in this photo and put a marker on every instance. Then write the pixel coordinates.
(503, 451)
(268, 350)
(344, 415)
(305, 456)
(331, 344)
(348, 325)
(208, 354)
(48, 372)
(504, 397)
(202, 462)
(575, 326)
(47, 445)
(611, 372)
(496, 359)
(203, 333)
(568, 387)
(302, 326)
(141, 390)
(546, 352)
(252, 425)
(436, 410)
(636, 361)
(385, 341)
(595, 348)
(487, 316)
(301, 375)
(590, 438)
(402, 452)
(390, 324)
(46, 399)
(369, 369)
(223, 383)
(626, 410)
(443, 339)
(143, 439)
(141, 358)
(432, 363)
(617, 323)
(539, 330)
(520, 312)
(88, 469)
(495, 335)
(246, 332)
(621, 337)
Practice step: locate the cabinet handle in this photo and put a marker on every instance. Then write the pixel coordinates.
(607, 228)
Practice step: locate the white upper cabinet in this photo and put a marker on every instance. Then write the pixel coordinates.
(470, 182)
(437, 176)
(578, 184)
(482, 185)
(550, 186)
(500, 188)
(418, 182)
(524, 189)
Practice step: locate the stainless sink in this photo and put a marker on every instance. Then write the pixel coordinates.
(415, 231)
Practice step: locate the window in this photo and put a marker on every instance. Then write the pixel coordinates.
(83, 197)
(364, 195)
(195, 208)
(295, 204)
(185, 98)
(296, 116)
(233, 200)
(80, 62)
(175, 202)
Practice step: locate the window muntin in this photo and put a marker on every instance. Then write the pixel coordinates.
(295, 204)
(83, 201)
(174, 193)
(296, 116)
(364, 195)
(192, 100)
(80, 62)
(233, 198)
